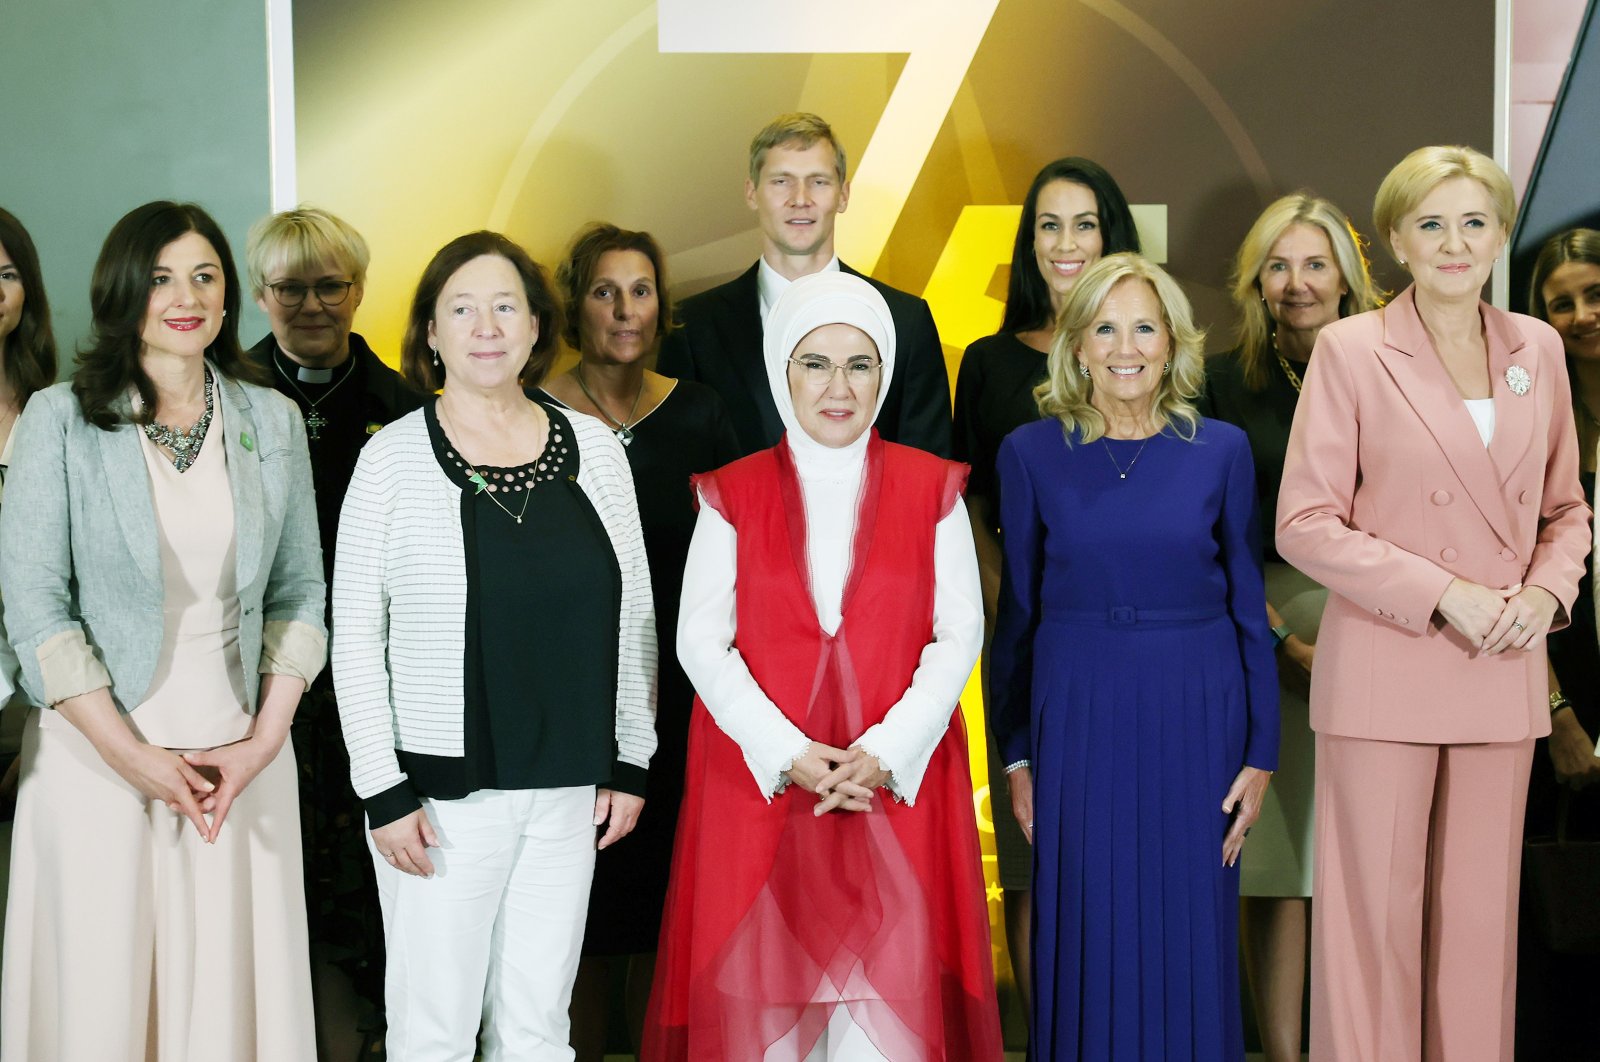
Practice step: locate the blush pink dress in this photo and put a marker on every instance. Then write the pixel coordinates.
(127, 937)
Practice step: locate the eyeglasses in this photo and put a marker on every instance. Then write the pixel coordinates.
(291, 293)
(819, 371)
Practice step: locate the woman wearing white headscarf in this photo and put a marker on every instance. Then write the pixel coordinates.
(831, 615)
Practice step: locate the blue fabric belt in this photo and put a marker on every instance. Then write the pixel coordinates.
(1128, 616)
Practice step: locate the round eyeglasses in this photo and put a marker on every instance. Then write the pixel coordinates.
(291, 293)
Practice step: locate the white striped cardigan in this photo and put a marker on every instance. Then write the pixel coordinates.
(400, 601)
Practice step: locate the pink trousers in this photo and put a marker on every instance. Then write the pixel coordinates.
(1414, 928)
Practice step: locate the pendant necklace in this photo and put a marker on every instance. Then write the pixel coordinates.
(315, 421)
(476, 478)
(1122, 473)
(623, 429)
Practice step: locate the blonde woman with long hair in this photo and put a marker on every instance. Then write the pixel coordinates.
(1299, 268)
(1133, 678)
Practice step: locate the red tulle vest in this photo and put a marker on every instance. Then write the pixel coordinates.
(768, 899)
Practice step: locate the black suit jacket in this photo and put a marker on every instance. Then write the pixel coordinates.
(719, 344)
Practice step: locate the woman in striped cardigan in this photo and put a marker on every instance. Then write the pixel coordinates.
(495, 665)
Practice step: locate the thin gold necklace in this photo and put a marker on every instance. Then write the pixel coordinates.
(624, 428)
(476, 478)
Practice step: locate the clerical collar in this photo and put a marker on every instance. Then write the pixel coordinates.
(308, 375)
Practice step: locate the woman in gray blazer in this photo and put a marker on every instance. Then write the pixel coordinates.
(164, 593)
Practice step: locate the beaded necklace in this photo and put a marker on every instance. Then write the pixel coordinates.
(184, 443)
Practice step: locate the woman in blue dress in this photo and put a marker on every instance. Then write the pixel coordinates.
(1133, 678)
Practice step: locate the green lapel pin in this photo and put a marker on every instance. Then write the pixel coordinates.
(477, 477)
(247, 442)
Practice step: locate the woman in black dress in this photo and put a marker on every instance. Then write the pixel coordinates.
(1298, 269)
(1073, 215)
(617, 310)
(1555, 991)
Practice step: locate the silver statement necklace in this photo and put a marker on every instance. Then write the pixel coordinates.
(184, 443)
(315, 421)
(623, 429)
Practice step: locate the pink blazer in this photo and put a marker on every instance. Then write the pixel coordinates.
(1389, 493)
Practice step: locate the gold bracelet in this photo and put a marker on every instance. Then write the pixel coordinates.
(1558, 701)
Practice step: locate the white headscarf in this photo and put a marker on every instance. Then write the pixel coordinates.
(806, 305)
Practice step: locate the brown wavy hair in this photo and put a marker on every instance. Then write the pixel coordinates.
(119, 298)
(30, 349)
(416, 357)
(576, 273)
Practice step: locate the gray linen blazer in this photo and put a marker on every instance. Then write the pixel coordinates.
(80, 565)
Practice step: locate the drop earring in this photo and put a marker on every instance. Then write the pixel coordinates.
(1166, 368)
(435, 356)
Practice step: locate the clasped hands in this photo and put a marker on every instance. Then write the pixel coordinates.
(842, 779)
(1496, 620)
(196, 785)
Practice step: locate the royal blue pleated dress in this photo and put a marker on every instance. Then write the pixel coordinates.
(1133, 667)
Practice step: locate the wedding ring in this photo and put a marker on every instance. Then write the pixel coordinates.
(1519, 626)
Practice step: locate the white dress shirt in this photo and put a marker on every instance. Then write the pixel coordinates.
(771, 283)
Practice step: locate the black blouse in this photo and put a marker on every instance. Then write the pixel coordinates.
(544, 600)
(687, 433)
(994, 397)
(1266, 417)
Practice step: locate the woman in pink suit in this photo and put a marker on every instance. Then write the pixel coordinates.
(1432, 485)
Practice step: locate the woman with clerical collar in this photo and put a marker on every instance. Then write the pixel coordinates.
(307, 271)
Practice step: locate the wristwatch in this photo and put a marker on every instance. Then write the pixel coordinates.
(1558, 701)
(1280, 634)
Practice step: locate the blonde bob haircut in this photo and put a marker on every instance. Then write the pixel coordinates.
(1425, 169)
(1068, 396)
(300, 240)
(1256, 326)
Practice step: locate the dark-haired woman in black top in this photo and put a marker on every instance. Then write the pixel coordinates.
(1073, 214)
(1556, 988)
(614, 288)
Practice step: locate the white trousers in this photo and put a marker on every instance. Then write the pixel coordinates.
(494, 935)
(842, 1041)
